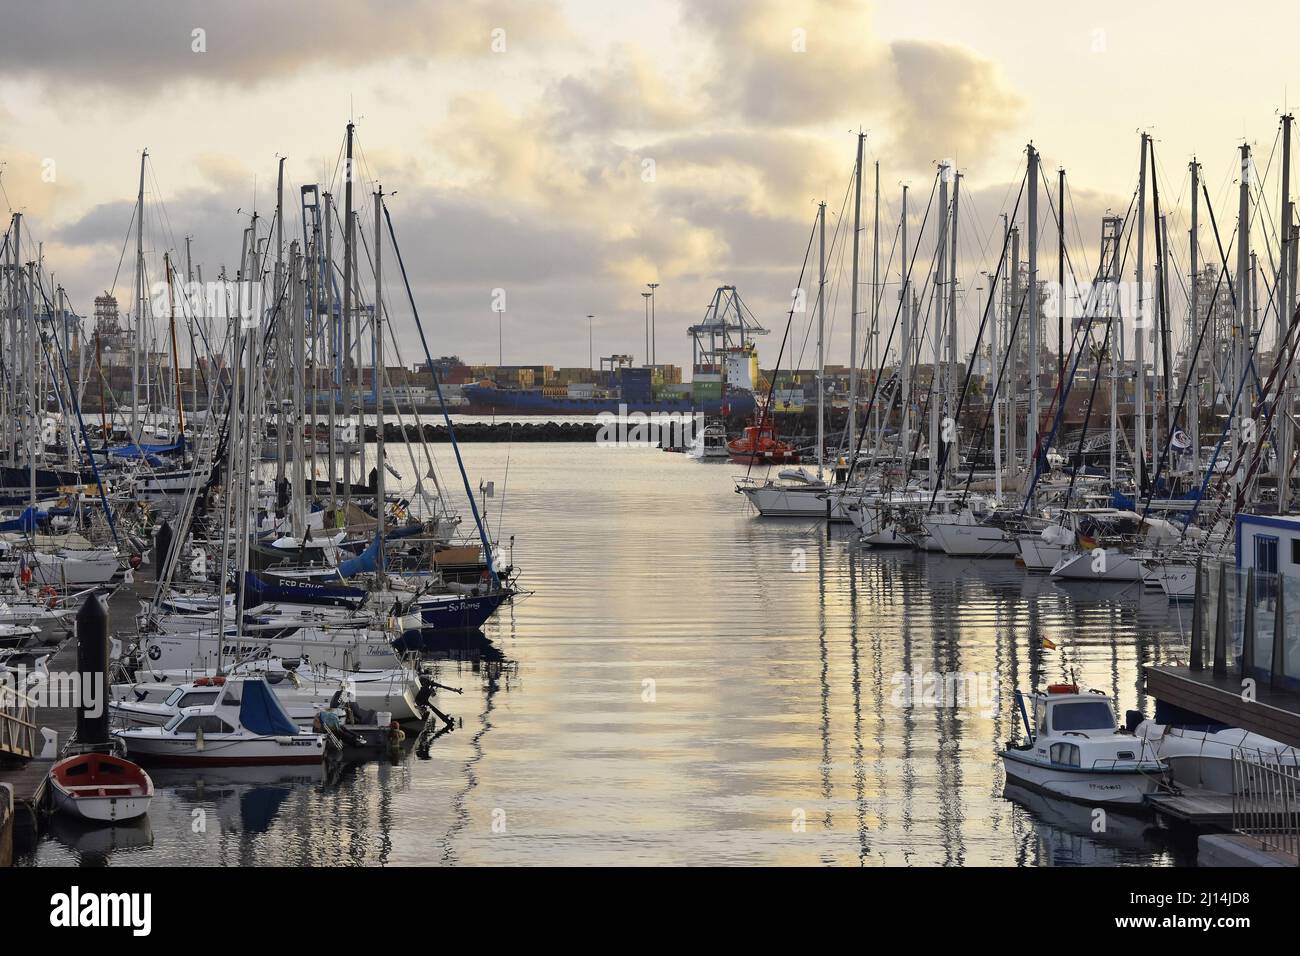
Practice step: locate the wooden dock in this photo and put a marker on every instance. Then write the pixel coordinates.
(28, 778)
(1192, 806)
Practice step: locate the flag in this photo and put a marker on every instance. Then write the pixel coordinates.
(1048, 644)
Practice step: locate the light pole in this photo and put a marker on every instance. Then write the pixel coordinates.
(646, 296)
(590, 350)
(653, 335)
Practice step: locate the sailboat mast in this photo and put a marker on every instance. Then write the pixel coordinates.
(873, 342)
(281, 336)
(1193, 318)
(952, 327)
(1032, 452)
(1140, 331)
(377, 327)
(905, 355)
(332, 335)
(821, 328)
(346, 322)
(1286, 431)
(1243, 298)
(936, 332)
(853, 296)
(139, 304)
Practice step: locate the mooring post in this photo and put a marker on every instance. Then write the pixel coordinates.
(1248, 627)
(1277, 663)
(1196, 660)
(1221, 627)
(92, 667)
(162, 549)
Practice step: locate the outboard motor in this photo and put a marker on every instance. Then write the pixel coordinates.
(1131, 720)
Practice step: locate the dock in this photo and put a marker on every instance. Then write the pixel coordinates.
(1194, 807)
(28, 776)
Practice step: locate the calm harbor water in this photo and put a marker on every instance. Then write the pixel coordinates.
(690, 684)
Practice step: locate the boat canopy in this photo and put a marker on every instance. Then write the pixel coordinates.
(260, 711)
(27, 521)
(367, 560)
(145, 451)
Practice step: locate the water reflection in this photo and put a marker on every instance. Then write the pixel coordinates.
(688, 682)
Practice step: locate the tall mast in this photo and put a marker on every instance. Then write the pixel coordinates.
(298, 491)
(853, 297)
(1140, 331)
(873, 342)
(1032, 451)
(1060, 278)
(1194, 318)
(346, 322)
(377, 326)
(821, 328)
(905, 354)
(281, 336)
(936, 332)
(1285, 292)
(1014, 334)
(952, 326)
(332, 345)
(139, 304)
(1243, 302)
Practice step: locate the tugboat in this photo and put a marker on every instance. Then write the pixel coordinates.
(758, 445)
(1076, 751)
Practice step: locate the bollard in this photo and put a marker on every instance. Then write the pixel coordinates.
(162, 549)
(92, 665)
(1196, 660)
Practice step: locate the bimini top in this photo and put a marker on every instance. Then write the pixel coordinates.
(260, 711)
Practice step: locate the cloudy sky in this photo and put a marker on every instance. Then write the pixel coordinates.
(569, 151)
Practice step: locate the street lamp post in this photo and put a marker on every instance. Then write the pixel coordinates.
(590, 352)
(653, 336)
(646, 296)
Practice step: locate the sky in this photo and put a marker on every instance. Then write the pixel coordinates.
(557, 155)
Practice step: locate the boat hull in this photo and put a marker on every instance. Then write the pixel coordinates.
(1125, 788)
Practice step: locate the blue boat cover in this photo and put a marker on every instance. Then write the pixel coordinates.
(145, 451)
(367, 560)
(294, 591)
(260, 711)
(27, 521)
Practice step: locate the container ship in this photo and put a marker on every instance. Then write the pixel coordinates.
(633, 392)
(723, 384)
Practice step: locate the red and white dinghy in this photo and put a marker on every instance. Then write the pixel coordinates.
(100, 787)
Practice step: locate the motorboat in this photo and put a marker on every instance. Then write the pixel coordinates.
(1202, 756)
(759, 445)
(246, 725)
(1075, 750)
(709, 445)
(100, 787)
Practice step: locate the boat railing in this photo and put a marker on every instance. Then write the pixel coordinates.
(1266, 801)
(17, 731)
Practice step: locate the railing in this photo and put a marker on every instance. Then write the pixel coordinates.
(1265, 802)
(17, 732)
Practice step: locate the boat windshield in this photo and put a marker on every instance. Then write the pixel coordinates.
(1083, 715)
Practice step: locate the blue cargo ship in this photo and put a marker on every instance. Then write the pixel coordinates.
(532, 401)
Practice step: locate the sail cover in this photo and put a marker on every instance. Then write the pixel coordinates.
(296, 591)
(367, 560)
(260, 711)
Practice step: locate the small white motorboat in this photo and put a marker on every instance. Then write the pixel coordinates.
(245, 726)
(100, 787)
(1076, 751)
(1202, 757)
